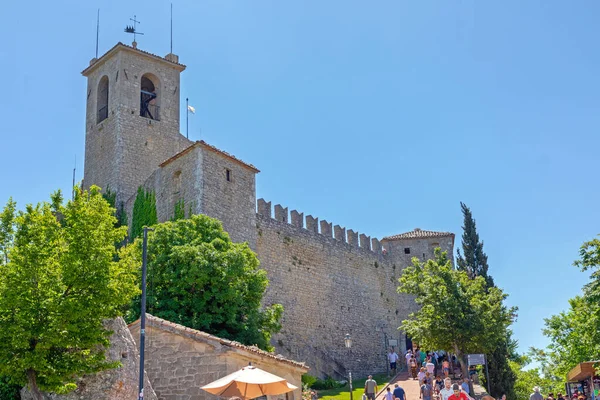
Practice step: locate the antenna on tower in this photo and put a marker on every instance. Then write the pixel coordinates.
(97, 31)
(133, 29)
(171, 28)
(73, 186)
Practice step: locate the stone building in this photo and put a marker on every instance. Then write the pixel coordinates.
(330, 280)
(180, 360)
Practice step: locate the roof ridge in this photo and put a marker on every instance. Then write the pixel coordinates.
(163, 323)
(418, 233)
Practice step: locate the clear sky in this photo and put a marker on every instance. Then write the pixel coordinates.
(378, 116)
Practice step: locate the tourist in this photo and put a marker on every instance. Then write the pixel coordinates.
(536, 395)
(408, 356)
(388, 394)
(430, 366)
(446, 391)
(370, 388)
(421, 376)
(438, 384)
(465, 385)
(413, 367)
(446, 367)
(559, 396)
(426, 391)
(429, 378)
(457, 393)
(399, 393)
(393, 359)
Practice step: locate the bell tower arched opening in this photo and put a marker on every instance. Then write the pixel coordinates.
(149, 97)
(102, 99)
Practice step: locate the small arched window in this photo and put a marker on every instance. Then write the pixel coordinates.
(149, 97)
(102, 100)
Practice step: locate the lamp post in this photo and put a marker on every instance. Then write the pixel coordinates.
(348, 342)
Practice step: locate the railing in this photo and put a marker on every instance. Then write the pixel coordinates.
(102, 113)
(151, 111)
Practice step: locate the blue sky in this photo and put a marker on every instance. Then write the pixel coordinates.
(380, 117)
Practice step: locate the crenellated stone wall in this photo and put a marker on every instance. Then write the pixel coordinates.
(330, 286)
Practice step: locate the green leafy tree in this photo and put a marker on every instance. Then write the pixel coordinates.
(472, 260)
(7, 217)
(575, 333)
(144, 212)
(574, 337)
(590, 260)
(456, 312)
(527, 378)
(60, 283)
(199, 278)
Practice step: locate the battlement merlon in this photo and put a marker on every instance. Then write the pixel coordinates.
(312, 224)
(297, 219)
(424, 241)
(352, 238)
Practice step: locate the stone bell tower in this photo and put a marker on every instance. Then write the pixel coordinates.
(132, 118)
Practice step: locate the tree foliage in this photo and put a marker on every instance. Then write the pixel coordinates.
(575, 333)
(590, 260)
(527, 378)
(7, 217)
(59, 284)
(473, 260)
(199, 278)
(456, 312)
(574, 337)
(144, 212)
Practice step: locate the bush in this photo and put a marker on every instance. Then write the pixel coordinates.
(326, 384)
(308, 380)
(8, 391)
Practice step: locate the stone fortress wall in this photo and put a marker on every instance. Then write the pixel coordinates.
(332, 281)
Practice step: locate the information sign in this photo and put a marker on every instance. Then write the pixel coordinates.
(476, 359)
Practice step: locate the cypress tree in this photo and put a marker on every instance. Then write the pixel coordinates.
(144, 212)
(473, 260)
(475, 263)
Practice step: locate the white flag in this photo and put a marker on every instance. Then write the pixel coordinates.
(191, 109)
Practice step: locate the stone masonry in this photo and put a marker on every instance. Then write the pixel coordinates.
(330, 280)
(180, 360)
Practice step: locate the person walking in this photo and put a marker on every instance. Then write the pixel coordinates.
(399, 393)
(370, 388)
(457, 393)
(536, 395)
(413, 367)
(393, 359)
(426, 391)
(388, 394)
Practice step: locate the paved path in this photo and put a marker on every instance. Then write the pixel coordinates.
(410, 386)
(412, 389)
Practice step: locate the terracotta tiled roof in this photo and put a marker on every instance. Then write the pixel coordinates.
(418, 234)
(131, 48)
(168, 326)
(211, 148)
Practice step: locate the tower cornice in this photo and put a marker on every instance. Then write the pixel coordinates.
(97, 62)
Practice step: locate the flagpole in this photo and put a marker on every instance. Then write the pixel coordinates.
(187, 118)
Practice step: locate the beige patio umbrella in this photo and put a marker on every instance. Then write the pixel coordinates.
(248, 383)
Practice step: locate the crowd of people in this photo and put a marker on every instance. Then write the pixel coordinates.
(536, 395)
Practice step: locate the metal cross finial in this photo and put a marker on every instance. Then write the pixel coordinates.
(133, 28)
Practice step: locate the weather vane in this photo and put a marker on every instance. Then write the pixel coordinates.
(133, 28)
